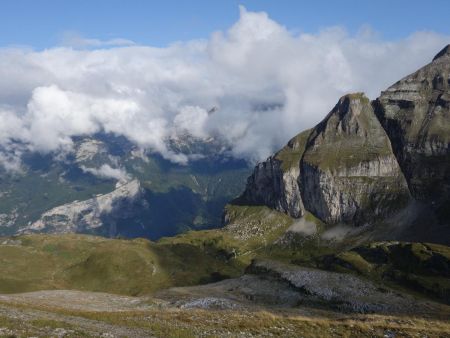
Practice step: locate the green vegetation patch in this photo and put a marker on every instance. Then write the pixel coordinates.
(255, 226)
(345, 138)
(421, 267)
(292, 153)
(131, 267)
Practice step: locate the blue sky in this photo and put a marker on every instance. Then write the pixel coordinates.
(44, 23)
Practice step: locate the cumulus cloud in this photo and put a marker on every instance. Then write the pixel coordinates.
(191, 119)
(267, 82)
(106, 171)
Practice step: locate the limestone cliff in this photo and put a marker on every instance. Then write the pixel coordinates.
(86, 216)
(275, 182)
(366, 160)
(349, 172)
(415, 113)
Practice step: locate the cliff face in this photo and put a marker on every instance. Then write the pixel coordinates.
(350, 173)
(84, 216)
(415, 113)
(366, 160)
(275, 182)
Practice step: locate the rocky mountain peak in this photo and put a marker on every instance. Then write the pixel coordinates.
(415, 113)
(351, 115)
(349, 160)
(366, 161)
(353, 101)
(343, 170)
(445, 52)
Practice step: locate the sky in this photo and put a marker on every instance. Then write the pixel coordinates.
(151, 70)
(44, 23)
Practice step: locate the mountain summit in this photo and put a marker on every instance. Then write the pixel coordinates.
(367, 163)
(444, 52)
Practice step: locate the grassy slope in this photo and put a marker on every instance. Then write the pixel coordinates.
(136, 267)
(417, 267)
(291, 154)
(421, 267)
(132, 267)
(261, 232)
(119, 266)
(139, 266)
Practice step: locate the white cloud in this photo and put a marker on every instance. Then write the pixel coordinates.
(268, 82)
(11, 126)
(10, 162)
(106, 171)
(191, 119)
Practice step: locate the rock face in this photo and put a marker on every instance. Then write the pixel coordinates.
(343, 170)
(415, 113)
(349, 172)
(275, 182)
(85, 216)
(366, 160)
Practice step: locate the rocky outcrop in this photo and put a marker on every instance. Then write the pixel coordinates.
(87, 216)
(341, 291)
(88, 149)
(415, 113)
(343, 170)
(275, 182)
(349, 172)
(367, 160)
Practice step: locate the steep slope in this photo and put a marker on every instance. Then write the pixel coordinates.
(349, 172)
(368, 161)
(343, 170)
(275, 182)
(415, 112)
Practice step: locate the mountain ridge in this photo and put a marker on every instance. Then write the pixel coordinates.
(173, 198)
(366, 161)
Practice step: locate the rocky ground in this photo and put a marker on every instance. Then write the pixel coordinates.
(279, 285)
(271, 299)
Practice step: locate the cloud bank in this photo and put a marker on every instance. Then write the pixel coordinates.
(266, 82)
(108, 172)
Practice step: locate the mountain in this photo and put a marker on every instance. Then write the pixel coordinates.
(382, 165)
(86, 216)
(107, 186)
(334, 235)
